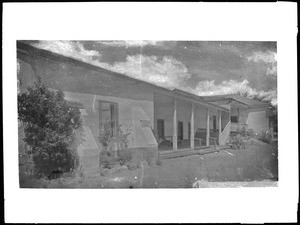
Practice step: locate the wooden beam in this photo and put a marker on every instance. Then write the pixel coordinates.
(192, 132)
(175, 125)
(207, 128)
(220, 125)
(100, 119)
(238, 111)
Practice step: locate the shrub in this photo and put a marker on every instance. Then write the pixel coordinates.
(107, 157)
(149, 161)
(237, 139)
(106, 135)
(49, 126)
(158, 162)
(107, 160)
(122, 137)
(132, 165)
(124, 157)
(265, 136)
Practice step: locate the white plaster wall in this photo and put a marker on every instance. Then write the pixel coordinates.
(26, 75)
(126, 116)
(258, 121)
(200, 117)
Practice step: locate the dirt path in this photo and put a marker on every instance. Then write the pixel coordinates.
(228, 167)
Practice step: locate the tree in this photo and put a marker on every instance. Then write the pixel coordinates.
(49, 125)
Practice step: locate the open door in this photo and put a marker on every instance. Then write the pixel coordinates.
(161, 128)
(189, 131)
(215, 123)
(180, 130)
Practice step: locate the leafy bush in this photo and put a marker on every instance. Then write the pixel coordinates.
(106, 135)
(107, 160)
(107, 157)
(265, 136)
(121, 138)
(158, 162)
(124, 157)
(132, 165)
(49, 126)
(237, 139)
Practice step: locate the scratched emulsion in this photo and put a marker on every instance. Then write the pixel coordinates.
(160, 114)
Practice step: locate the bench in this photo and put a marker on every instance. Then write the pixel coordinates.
(214, 139)
(200, 141)
(170, 140)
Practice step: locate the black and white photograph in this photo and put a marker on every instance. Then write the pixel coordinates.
(147, 114)
(154, 112)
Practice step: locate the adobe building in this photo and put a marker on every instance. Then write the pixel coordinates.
(159, 119)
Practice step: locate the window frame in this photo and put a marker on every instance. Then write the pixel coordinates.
(115, 120)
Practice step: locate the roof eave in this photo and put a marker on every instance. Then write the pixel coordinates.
(29, 49)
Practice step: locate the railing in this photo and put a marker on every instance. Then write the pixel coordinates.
(225, 134)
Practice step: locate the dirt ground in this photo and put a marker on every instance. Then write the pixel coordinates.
(257, 165)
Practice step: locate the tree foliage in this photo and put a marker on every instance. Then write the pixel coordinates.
(50, 125)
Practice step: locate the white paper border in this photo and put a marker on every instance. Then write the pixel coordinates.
(155, 21)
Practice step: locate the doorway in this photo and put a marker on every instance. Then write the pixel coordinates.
(215, 123)
(189, 131)
(180, 130)
(108, 121)
(161, 128)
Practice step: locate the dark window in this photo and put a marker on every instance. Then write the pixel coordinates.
(234, 119)
(189, 131)
(180, 130)
(214, 123)
(161, 128)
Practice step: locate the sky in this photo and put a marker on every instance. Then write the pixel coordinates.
(199, 67)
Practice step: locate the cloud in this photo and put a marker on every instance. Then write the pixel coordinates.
(69, 48)
(269, 58)
(129, 43)
(171, 73)
(167, 72)
(206, 88)
(272, 71)
(266, 57)
(225, 87)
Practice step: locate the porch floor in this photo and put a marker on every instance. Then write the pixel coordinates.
(183, 145)
(167, 154)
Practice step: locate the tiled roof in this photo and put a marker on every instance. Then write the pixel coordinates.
(241, 99)
(199, 98)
